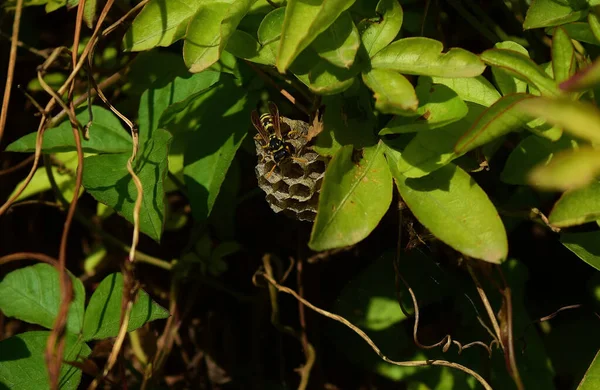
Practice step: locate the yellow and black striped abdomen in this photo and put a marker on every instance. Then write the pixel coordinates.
(266, 121)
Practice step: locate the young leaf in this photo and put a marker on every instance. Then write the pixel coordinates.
(160, 23)
(455, 209)
(356, 193)
(107, 135)
(32, 294)
(423, 56)
(106, 178)
(564, 64)
(103, 313)
(393, 93)
(585, 245)
(543, 13)
(522, 67)
(568, 170)
(586, 78)
(499, 119)
(471, 89)
(530, 152)
(439, 106)
(591, 379)
(209, 30)
(22, 363)
(376, 35)
(577, 207)
(505, 81)
(580, 31)
(339, 43)
(580, 119)
(304, 21)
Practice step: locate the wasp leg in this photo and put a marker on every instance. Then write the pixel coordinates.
(300, 160)
(271, 172)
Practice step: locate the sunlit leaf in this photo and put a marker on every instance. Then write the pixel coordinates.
(591, 379)
(339, 43)
(377, 34)
(304, 21)
(471, 89)
(356, 193)
(577, 207)
(393, 93)
(321, 76)
(506, 82)
(543, 13)
(243, 45)
(32, 294)
(450, 204)
(579, 31)
(594, 22)
(564, 64)
(423, 56)
(585, 245)
(568, 170)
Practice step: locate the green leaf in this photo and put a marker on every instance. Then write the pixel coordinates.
(471, 89)
(439, 106)
(212, 142)
(423, 56)
(564, 64)
(356, 193)
(106, 178)
(103, 313)
(321, 76)
(376, 35)
(304, 21)
(580, 119)
(160, 23)
(591, 379)
(522, 67)
(209, 30)
(152, 68)
(530, 152)
(339, 43)
(500, 118)
(243, 45)
(23, 367)
(543, 13)
(507, 83)
(594, 22)
(393, 93)
(568, 170)
(577, 207)
(107, 135)
(269, 30)
(585, 79)
(580, 31)
(32, 294)
(431, 150)
(455, 209)
(585, 245)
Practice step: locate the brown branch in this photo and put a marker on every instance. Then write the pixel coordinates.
(12, 60)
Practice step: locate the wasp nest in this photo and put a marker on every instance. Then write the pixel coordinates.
(293, 186)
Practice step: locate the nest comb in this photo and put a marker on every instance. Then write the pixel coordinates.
(293, 187)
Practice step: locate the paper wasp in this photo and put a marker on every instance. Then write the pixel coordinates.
(268, 126)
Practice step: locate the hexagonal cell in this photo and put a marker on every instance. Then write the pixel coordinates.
(300, 191)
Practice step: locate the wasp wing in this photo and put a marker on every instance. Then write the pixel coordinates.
(259, 127)
(274, 111)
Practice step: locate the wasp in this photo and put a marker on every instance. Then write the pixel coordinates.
(268, 126)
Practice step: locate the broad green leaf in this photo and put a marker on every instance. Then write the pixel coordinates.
(269, 30)
(172, 94)
(243, 45)
(23, 367)
(439, 106)
(564, 64)
(586, 78)
(423, 56)
(591, 379)
(431, 150)
(321, 76)
(339, 43)
(585, 245)
(568, 170)
(356, 193)
(160, 23)
(393, 93)
(213, 125)
(500, 118)
(106, 178)
(152, 68)
(471, 89)
(209, 30)
(594, 22)
(522, 67)
(32, 294)
(376, 35)
(544, 13)
(580, 119)
(103, 313)
(580, 31)
(304, 21)
(505, 81)
(107, 135)
(530, 152)
(577, 207)
(455, 209)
